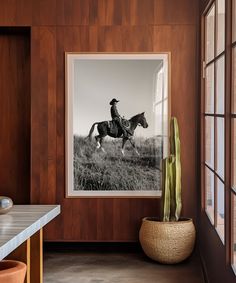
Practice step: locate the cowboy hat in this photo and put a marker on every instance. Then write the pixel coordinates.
(113, 101)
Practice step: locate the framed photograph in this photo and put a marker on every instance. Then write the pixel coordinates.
(117, 117)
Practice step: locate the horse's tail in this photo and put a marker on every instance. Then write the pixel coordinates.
(91, 130)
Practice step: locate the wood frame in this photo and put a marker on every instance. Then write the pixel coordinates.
(229, 116)
(31, 253)
(232, 46)
(216, 58)
(166, 56)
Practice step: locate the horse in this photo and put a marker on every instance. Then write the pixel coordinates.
(104, 130)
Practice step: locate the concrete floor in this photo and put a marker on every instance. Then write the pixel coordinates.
(90, 267)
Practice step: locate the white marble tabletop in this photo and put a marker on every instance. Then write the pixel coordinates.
(21, 223)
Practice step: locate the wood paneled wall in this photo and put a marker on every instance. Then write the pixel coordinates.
(103, 26)
(15, 115)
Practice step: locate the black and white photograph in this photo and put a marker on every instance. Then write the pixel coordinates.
(117, 123)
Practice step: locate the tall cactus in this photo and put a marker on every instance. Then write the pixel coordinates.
(171, 177)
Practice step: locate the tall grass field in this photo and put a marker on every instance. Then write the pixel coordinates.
(95, 170)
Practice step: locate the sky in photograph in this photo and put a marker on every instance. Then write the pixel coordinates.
(97, 82)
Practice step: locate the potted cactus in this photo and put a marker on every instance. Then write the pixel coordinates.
(169, 239)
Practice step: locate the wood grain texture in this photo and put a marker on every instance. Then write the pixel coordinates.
(36, 257)
(22, 253)
(15, 13)
(103, 26)
(15, 116)
(43, 115)
(44, 12)
(72, 12)
(180, 12)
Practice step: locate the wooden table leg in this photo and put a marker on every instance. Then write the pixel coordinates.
(31, 253)
(22, 253)
(36, 257)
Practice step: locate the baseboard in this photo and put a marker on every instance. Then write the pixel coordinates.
(108, 247)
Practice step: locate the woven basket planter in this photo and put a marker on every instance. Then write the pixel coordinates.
(167, 242)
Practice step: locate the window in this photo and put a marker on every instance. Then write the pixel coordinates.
(219, 129)
(233, 20)
(209, 195)
(209, 89)
(160, 107)
(210, 35)
(220, 26)
(214, 116)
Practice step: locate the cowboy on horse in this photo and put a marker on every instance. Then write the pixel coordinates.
(104, 128)
(118, 119)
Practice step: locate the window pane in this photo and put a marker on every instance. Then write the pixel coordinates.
(234, 79)
(159, 83)
(234, 228)
(234, 21)
(220, 146)
(209, 190)
(220, 209)
(158, 109)
(165, 118)
(220, 26)
(234, 153)
(210, 34)
(209, 89)
(220, 85)
(209, 141)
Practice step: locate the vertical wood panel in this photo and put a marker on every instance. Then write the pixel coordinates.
(15, 13)
(105, 214)
(72, 12)
(142, 12)
(124, 39)
(15, 116)
(36, 257)
(8, 13)
(109, 39)
(138, 39)
(44, 12)
(185, 12)
(122, 221)
(23, 12)
(43, 115)
(113, 12)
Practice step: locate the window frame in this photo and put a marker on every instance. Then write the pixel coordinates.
(232, 44)
(161, 101)
(230, 117)
(213, 62)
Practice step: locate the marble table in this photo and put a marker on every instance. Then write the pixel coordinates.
(21, 236)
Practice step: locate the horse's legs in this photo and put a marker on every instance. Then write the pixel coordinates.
(123, 145)
(133, 145)
(98, 142)
(101, 146)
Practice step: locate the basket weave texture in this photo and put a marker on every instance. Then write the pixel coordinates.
(167, 242)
